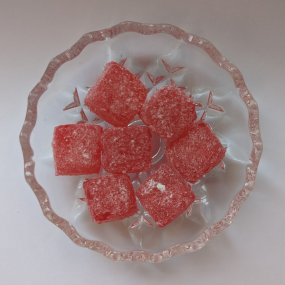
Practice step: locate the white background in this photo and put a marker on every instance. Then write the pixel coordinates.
(250, 33)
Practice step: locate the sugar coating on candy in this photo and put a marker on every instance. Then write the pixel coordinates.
(165, 195)
(116, 96)
(169, 113)
(126, 150)
(196, 153)
(77, 149)
(110, 198)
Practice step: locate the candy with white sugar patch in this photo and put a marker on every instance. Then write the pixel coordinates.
(165, 195)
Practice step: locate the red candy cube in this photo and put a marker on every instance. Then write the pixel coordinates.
(116, 96)
(165, 195)
(126, 150)
(169, 113)
(196, 153)
(110, 198)
(77, 149)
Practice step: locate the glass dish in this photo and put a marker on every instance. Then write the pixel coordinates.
(160, 54)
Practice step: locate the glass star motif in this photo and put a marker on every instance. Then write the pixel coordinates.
(155, 80)
(76, 103)
(210, 104)
(132, 65)
(190, 208)
(141, 220)
(169, 69)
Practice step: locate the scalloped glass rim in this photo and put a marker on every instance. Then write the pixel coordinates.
(145, 29)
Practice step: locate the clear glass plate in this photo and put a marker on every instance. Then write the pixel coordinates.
(159, 54)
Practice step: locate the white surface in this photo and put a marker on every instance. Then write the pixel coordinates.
(250, 34)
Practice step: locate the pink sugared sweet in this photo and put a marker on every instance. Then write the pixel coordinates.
(196, 153)
(126, 150)
(110, 198)
(116, 96)
(165, 195)
(169, 113)
(77, 149)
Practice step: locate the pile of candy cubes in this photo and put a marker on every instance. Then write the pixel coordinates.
(117, 97)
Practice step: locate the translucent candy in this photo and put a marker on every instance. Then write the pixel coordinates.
(77, 149)
(126, 150)
(116, 96)
(165, 195)
(196, 153)
(110, 198)
(169, 113)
